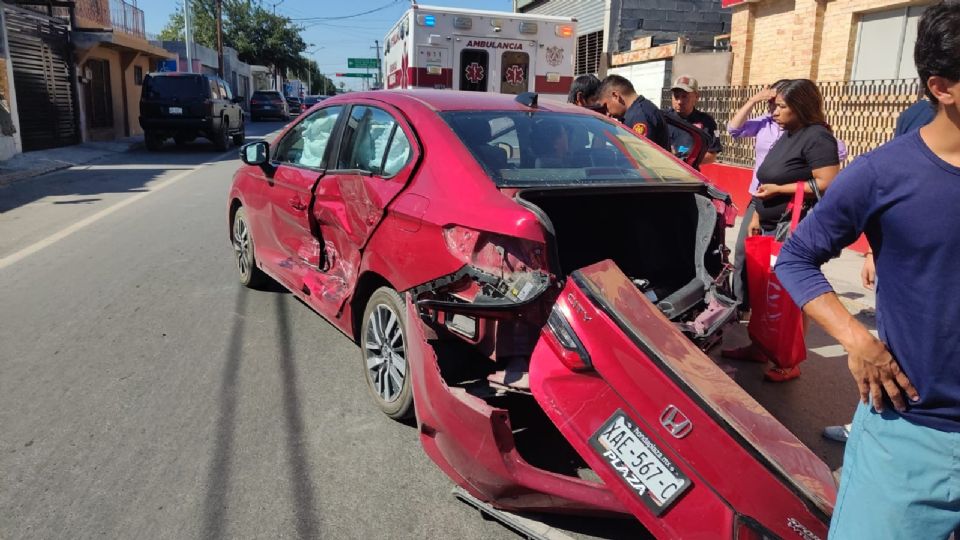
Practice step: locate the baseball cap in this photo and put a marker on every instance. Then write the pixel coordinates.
(686, 83)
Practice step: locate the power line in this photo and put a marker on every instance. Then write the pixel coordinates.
(340, 18)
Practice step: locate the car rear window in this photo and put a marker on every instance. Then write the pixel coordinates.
(266, 95)
(180, 86)
(548, 148)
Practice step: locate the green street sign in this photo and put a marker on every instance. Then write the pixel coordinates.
(371, 63)
(361, 75)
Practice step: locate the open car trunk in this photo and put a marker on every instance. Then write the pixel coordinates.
(603, 380)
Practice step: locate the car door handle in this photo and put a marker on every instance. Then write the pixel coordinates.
(297, 204)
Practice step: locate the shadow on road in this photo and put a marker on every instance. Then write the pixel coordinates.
(304, 499)
(218, 476)
(125, 172)
(219, 473)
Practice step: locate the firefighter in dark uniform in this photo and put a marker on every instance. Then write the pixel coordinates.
(637, 113)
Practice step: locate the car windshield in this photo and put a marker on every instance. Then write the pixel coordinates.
(546, 148)
(174, 85)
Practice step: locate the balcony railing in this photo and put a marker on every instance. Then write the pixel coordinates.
(127, 18)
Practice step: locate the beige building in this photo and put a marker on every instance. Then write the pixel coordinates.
(839, 40)
(112, 56)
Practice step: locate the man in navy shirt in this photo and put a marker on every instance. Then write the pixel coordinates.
(637, 113)
(901, 474)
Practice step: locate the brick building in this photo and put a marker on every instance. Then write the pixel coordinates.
(840, 40)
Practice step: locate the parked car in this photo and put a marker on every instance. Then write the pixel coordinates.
(189, 105)
(295, 105)
(541, 282)
(268, 104)
(310, 101)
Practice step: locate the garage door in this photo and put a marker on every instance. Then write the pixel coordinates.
(42, 77)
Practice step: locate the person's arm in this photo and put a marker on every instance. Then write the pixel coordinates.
(823, 177)
(838, 221)
(709, 158)
(739, 125)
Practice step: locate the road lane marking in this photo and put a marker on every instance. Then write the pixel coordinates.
(63, 233)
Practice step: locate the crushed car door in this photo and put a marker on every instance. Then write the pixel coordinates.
(300, 162)
(376, 158)
(662, 425)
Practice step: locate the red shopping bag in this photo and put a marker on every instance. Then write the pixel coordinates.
(776, 323)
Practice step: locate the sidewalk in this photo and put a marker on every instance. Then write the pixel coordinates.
(30, 164)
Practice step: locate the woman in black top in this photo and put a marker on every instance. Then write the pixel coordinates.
(807, 150)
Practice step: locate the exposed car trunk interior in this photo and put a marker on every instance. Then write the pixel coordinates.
(650, 236)
(668, 242)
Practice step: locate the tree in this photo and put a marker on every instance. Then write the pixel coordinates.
(259, 36)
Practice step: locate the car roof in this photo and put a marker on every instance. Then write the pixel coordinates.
(452, 100)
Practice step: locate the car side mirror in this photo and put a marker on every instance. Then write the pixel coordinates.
(258, 154)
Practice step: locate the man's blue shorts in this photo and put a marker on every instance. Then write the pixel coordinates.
(899, 480)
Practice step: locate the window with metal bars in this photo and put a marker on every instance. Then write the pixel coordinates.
(589, 49)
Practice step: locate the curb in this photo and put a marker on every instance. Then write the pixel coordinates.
(54, 165)
(16, 176)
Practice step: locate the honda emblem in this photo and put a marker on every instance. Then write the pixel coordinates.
(675, 422)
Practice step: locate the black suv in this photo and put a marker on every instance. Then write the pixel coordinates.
(189, 105)
(266, 103)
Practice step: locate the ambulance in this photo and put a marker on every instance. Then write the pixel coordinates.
(481, 51)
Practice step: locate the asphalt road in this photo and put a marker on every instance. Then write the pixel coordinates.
(145, 394)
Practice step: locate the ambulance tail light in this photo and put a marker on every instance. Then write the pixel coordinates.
(564, 30)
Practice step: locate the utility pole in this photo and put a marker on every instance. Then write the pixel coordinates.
(376, 45)
(220, 38)
(186, 34)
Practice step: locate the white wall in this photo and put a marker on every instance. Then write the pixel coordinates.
(648, 78)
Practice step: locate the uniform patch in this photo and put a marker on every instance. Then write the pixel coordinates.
(640, 128)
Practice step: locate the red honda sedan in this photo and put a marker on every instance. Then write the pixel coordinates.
(536, 284)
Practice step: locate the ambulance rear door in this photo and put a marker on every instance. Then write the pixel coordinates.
(503, 66)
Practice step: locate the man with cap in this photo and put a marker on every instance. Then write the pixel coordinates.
(621, 100)
(686, 92)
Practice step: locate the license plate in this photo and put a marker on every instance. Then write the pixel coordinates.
(639, 463)
(267, 106)
(176, 110)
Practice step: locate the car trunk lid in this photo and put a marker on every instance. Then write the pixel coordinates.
(670, 399)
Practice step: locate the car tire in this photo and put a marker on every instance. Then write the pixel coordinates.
(221, 140)
(383, 340)
(250, 274)
(153, 141)
(241, 135)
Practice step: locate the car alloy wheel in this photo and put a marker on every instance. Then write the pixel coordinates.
(250, 275)
(383, 342)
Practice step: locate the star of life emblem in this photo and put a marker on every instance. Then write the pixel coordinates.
(514, 74)
(474, 72)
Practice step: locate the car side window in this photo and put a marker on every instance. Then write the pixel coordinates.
(225, 91)
(214, 89)
(373, 142)
(306, 143)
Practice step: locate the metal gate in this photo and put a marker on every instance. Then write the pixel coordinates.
(43, 78)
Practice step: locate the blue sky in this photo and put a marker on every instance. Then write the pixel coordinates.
(333, 40)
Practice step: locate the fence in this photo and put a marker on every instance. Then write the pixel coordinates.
(127, 18)
(862, 113)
